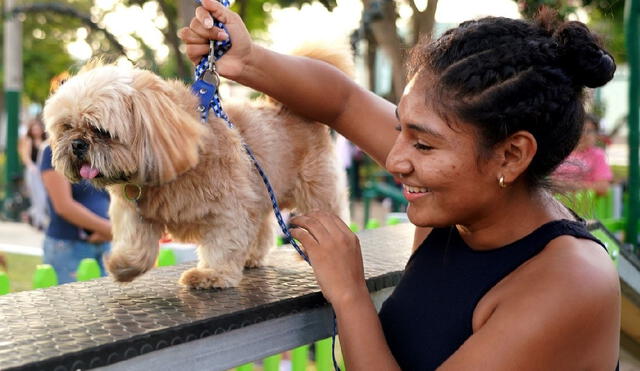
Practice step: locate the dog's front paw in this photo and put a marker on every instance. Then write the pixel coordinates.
(254, 262)
(206, 278)
(122, 269)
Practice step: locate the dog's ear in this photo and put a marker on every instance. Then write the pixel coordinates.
(171, 137)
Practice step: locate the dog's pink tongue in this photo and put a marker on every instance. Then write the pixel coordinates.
(88, 172)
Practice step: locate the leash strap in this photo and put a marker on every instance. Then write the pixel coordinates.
(206, 88)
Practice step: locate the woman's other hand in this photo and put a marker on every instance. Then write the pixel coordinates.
(334, 252)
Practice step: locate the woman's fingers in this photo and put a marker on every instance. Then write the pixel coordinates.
(200, 32)
(306, 239)
(196, 51)
(314, 225)
(216, 9)
(204, 17)
(197, 43)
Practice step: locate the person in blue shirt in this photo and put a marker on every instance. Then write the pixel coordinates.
(79, 226)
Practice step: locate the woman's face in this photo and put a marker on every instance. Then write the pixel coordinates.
(444, 179)
(36, 130)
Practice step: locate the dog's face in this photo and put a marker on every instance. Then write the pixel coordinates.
(115, 125)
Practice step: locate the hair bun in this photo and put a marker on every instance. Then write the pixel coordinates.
(581, 55)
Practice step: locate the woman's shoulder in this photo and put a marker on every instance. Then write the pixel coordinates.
(577, 259)
(568, 267)
(567, 297)
(572, 280)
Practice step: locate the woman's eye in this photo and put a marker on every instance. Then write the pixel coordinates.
(422, 147)
(398, 128)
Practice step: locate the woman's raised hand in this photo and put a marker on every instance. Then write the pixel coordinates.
(201, 30)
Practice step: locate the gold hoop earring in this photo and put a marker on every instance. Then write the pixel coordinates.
(501, 182)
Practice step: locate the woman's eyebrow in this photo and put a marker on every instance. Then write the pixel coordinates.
(425, 130)
(422, 128)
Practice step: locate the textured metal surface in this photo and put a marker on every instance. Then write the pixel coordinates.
(95, 323)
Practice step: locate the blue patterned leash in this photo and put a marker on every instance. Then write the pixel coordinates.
(205, 86)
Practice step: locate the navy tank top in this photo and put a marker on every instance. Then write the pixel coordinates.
(429, 314)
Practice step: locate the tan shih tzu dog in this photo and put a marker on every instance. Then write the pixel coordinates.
(140, 137)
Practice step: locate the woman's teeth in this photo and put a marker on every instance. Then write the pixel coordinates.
(412, 189)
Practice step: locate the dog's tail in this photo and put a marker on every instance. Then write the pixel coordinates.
(337, 55)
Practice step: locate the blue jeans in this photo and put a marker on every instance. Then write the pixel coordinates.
(65, 256)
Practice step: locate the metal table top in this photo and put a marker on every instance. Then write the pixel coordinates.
(100, 322)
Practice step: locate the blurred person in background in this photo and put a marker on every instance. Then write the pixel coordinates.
(29, 148)
(587, 166)
(79, 227)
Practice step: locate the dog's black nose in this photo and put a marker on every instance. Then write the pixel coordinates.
(79, 147)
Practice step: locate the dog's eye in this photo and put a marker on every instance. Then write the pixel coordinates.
(101, 133)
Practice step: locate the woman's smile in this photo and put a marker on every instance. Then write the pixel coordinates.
(412, 193)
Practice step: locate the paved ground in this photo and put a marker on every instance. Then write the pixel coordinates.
(20, 238)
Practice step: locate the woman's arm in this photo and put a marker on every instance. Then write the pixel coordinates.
(309, 87)
(59, 191)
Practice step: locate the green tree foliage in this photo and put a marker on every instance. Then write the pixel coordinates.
(606, 17)
(44, 59)
(44, 55)
(256, 15)
(47, 29)
(49, 26)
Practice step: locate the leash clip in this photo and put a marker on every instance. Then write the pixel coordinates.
(211, 73)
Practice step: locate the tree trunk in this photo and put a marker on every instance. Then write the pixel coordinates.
(171, 35)
(423, 21)
(386, 35)
(186, 11)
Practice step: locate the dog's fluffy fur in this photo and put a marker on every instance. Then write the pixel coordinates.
(129, 126)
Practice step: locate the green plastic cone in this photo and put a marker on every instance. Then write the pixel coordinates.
(245, 367)
(166, 258)
(272, 363)
(324, 360)
(300, 358)
(372, 224)
(354, 228)
(88, 269)
(44, 276)
(4, 283)
(393, 220)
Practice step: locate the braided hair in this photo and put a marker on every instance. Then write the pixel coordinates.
(504, 75)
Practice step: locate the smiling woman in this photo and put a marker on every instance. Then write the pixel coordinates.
(503, 276)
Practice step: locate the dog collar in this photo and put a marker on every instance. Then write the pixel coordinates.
(136, 188)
